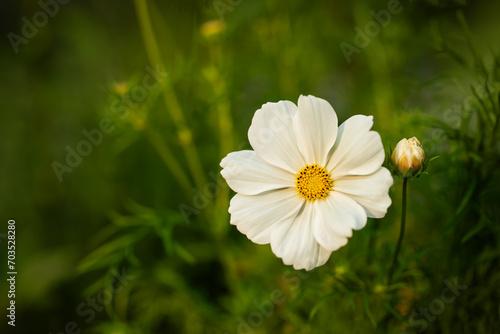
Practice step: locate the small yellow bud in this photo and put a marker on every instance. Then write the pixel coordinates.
(121, 87)
(340, 270)
(212, 28)
(408, 154)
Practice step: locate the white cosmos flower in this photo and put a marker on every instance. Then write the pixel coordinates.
(309, 182)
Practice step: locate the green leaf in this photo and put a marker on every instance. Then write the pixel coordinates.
(478, 228)
(498, 101)
(184, 254)
(321, 301)
(393, 311)
(366, 304)
(112, 251)
(351, 300)
(467, 197)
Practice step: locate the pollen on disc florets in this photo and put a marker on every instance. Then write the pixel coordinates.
(313, 182)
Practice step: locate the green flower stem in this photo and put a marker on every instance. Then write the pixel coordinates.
(170, 99)
(382, 88)
(401, 233)
(221, 110)
(170, 161)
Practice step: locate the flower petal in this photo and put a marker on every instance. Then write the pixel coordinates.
(357, 151)
(370, 191)
(335, 218)
(256, 216)
(246, 173)
(293, 241)
(315, 126)
(272, 137)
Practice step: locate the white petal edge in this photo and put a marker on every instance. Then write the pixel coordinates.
(357, 150)
(293, 241)
(335, 218)
(256, 216)
(315, 126)
(246, 173)
(370, 191)
(272, 137)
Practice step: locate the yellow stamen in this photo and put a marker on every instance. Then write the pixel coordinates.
(313, 182)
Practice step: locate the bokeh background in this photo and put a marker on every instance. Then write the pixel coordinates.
(134, 237)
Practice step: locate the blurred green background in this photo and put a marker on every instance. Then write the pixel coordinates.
(165, 89)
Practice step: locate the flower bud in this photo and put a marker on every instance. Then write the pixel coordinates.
(408, 154)
(212, 28)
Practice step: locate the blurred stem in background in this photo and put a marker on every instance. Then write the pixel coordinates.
(402, 231)
(219, 220)
(378, 62)
(217, 80)
(169, 159)
(184, 134)
(222, 109)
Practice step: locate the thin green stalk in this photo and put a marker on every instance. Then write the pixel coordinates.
(183, 132)
(223, 111)
(401, 233)
(494, 131)
(170, 161)
(470, 41)
(152, 50)
(382, 87)
(490, 96)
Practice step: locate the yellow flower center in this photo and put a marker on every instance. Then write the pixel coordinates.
(313, 182)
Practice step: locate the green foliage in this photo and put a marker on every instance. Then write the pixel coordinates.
(180, 86)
